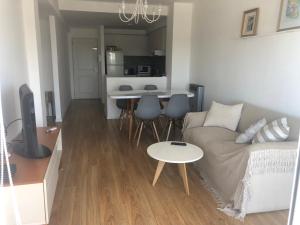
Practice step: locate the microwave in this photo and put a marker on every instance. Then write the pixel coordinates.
(144, 70)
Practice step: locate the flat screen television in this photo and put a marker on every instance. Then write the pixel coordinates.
(29, 146)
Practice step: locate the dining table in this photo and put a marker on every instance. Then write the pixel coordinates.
(133, 96)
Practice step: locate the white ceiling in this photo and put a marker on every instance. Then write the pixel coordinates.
(151, 2)
(110, 20)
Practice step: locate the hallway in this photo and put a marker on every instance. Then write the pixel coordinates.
(105, 180)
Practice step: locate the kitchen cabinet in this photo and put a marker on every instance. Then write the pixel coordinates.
(157, 39)
(132, 42)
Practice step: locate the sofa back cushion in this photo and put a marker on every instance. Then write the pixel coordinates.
(225, 116)
(251, 113)
(201, 136)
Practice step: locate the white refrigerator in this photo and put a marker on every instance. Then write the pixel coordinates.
(114, 63)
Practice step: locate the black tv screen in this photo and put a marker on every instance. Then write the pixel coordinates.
(29, 147)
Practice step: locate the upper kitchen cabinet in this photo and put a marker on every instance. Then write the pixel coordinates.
(131, 42)
(157, 40)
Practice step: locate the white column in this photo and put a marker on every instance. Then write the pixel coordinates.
(55, 69)
(179, 30)
(101, 53)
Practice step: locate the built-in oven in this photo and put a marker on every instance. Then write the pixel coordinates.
(144, 70)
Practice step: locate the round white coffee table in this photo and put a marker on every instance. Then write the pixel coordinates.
(164, 152)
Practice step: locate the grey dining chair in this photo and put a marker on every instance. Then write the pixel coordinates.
(148, 110)
(150, 87)
(122, 104)
(176, 110)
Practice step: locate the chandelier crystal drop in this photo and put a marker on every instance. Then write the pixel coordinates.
(140, 10)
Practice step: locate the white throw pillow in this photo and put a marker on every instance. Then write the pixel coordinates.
(277, 130)
(227, 116)
(250, 133)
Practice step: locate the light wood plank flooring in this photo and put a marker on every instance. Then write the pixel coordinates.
(105, 180)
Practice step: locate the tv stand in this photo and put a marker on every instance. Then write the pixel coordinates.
(35, 181)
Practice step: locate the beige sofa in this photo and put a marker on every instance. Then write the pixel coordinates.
(244, 178)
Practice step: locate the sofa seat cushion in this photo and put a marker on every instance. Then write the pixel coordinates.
(219, 148)
(201, 136)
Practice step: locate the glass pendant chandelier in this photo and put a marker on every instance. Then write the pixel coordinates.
(140, 10)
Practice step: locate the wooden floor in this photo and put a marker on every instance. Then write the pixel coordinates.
(105, 180)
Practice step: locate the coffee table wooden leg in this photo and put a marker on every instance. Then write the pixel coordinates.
(183, 174)
(159, 168)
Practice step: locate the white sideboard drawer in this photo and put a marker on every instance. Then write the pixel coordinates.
(30, 200)
(50, 183)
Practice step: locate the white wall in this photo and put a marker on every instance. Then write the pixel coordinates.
(262, 70)
(13, 70)
(47, 74)
(132, 42)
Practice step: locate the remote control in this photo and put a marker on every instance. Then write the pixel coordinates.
(51, 129)
(178, 143)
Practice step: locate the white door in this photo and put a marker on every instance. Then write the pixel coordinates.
(85, 64)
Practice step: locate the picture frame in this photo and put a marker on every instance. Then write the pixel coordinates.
(250, 22)
(289, 17)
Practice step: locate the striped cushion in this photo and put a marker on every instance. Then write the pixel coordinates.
(250, 133)
(278, 130)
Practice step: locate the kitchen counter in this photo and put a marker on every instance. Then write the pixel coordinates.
(138, 83)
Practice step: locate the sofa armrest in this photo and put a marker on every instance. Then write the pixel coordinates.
(286, 145)
(194, 119)
(269, 165)
(272, 157)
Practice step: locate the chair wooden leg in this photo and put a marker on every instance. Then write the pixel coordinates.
(174, 129)
(137, 130)
(153, 131)
(169, 130)
(160, 123)
(121, 119)
(140, 133)
(154, 127)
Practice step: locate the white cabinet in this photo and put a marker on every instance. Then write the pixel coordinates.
(34, 195)
(51, 178)
(157, 40)
(131, 44)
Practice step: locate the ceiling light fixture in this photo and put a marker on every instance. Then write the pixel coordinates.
(140, 10)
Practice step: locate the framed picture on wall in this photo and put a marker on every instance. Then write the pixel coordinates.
(250, 22)
(289, 17)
